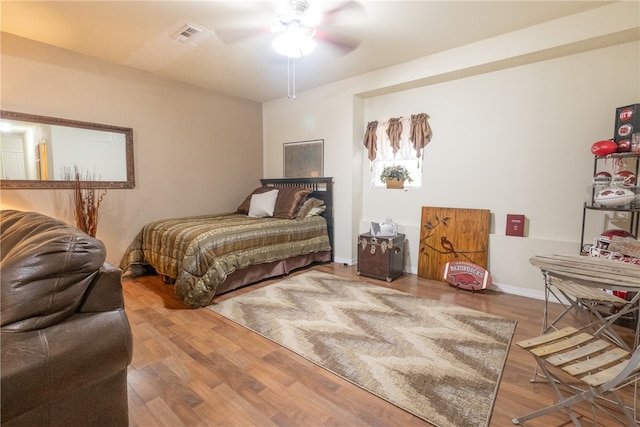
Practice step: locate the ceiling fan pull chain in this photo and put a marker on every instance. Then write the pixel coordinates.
(291, 78)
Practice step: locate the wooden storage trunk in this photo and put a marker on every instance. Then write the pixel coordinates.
(381, 257)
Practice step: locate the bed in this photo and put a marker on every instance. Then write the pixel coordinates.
(207, 255)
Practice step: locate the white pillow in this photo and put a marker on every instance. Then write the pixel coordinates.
(263, 204)
(316, 211)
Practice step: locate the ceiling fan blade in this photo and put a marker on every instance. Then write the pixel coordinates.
(331, 15)
(343, 42)
(235, 35)
(256, 16)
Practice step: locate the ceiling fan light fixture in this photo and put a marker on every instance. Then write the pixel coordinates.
(294, 43)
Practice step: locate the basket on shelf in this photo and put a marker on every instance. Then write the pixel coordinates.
(395, 183)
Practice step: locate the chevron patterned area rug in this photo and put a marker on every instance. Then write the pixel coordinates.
(442, 363)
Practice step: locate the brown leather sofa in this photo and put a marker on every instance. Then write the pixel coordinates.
(65, 339)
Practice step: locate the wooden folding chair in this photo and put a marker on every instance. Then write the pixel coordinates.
(568, 357)
(586, 303)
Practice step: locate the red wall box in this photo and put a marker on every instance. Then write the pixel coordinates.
(627, 123)
(515, 225)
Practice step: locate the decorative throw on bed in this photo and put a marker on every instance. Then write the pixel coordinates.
(200, 252)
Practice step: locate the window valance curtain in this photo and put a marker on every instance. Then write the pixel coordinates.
(420, 133)
(370, 139)
(398, 137)
(394, 132)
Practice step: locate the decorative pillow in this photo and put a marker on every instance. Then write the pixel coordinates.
(318, 210)
(290, 199)
(263, 204)
(306, 207)
(244, 206)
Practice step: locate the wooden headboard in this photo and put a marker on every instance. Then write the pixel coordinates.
(321, 188)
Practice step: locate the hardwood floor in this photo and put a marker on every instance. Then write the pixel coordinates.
(192, 367)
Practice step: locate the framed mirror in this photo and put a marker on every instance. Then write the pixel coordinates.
(43, 152)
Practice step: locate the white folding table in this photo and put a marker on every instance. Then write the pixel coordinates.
(580, 284)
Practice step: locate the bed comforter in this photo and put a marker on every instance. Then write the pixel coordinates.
(200, 252)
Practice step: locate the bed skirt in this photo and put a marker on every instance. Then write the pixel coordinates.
(256, 273)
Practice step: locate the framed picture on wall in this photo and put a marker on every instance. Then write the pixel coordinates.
(304, 159)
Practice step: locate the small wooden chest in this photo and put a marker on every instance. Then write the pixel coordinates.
(381, 257)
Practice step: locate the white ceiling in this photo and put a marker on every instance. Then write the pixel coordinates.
(390, 32)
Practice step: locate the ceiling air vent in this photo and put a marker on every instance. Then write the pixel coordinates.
(185, 33)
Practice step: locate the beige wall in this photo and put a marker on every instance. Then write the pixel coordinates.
(513, 118)
(195, 151)
(513, 141)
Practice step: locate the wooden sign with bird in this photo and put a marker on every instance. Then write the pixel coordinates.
(452, 234)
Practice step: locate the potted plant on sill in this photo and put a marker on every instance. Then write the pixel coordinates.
(395, 176)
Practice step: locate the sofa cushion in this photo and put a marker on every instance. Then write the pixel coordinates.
(46, 266)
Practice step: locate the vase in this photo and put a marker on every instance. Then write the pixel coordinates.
(395, 183)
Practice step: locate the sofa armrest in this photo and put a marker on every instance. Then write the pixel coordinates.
(105, 291)
(41, 368)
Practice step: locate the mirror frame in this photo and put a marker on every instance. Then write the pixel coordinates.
(32, 184)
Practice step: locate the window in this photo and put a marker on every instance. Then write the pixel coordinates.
(390, 143)
(415, 171)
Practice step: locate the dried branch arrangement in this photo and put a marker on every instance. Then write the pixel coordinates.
(87, 200)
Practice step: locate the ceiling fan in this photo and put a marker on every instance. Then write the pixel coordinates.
(298, 26)
(296, 30)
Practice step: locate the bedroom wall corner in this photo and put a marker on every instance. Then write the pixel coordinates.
(357, 173)
(309, 117)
